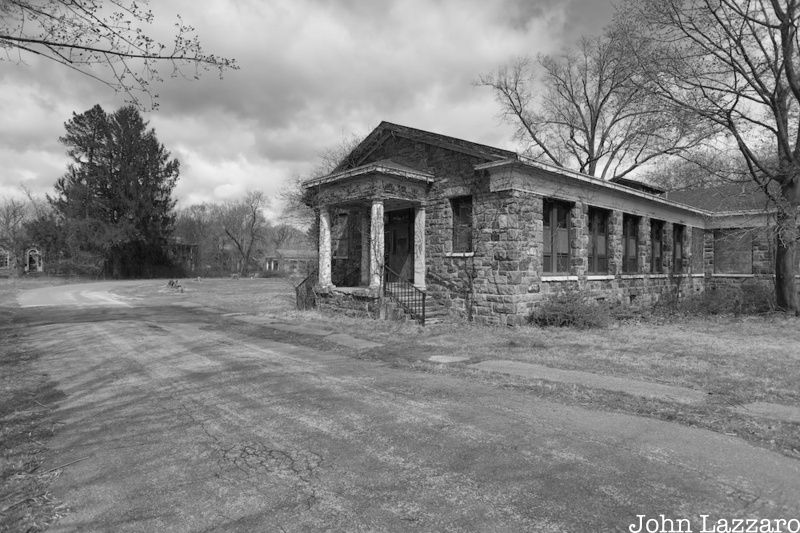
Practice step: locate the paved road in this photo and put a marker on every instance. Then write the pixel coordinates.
(185, 420)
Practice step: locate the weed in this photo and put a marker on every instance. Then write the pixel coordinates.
(571, 309)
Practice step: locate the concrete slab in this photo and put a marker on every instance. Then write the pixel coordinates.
(599, 381)
(446, 359)
(352, 342)
(775, 411)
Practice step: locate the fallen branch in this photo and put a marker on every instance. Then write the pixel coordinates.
(67, 464)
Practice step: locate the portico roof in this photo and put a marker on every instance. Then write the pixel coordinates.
(385, 167)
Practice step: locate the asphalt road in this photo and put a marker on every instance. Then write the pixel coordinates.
(183, 419)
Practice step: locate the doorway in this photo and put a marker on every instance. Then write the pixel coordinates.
(399, 244)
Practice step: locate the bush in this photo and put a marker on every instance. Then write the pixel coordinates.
(750, 298)
(570, 309)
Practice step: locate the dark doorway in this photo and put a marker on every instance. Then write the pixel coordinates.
(399, 243)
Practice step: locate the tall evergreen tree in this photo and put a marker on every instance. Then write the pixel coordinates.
(116, 197)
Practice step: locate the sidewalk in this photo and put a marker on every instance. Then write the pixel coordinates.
(644, 389)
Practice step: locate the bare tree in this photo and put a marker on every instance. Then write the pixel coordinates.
(104, 40)
(295, 209)
(584, 112)
(13, 215)
(244, 224)
(733, 63)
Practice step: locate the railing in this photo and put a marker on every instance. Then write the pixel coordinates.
(404, 293)
(304, 293)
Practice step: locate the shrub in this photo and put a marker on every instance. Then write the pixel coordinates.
(570, 309)
(749, 298)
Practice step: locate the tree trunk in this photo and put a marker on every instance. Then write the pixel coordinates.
(786, 259)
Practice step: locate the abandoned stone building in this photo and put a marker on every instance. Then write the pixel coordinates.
(31, 262)
(485, 232)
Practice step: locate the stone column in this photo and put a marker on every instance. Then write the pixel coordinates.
(616, 247)
(365, 251)
(325, 247)
(376, 244)
(419, 247)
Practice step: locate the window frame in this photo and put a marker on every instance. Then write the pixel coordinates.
(595, 215)
(551, 207)
(678, 248)
(631, 221)
(462, 213)
(656, 230)
(5, 258)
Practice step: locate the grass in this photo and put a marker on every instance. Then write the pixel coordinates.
(25, 427)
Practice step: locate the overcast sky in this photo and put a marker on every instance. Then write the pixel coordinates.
(312, 72)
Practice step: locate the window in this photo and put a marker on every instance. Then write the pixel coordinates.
(656, 246)
(677, 248)
(630, 244)
(598, 241)
(697, 250)
(462, 224)
(556, 237)
(733, 252)
(5, 259)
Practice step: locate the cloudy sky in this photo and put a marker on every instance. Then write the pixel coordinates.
(312, 73)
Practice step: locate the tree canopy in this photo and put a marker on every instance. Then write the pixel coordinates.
(115, 199)
(105, 40)
(581, 110)
(734, 65)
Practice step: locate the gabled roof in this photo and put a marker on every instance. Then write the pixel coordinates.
(725, 197)
(384, 166)
(386, 130)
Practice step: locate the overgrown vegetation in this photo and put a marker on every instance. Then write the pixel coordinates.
(571, 308)
(749, 298)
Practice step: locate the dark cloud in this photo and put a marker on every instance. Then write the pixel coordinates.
(312, 72)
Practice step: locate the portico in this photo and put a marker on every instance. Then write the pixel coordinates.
(371, 220)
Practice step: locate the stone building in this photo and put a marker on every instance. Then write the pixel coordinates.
(488, 233)
(30, 262)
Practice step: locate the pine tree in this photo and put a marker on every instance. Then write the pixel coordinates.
(115, 199)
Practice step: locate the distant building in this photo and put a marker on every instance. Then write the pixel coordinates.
(11, 265)
(291, 262)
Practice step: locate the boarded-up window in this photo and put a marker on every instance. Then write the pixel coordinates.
(462, 224)
(656, 246)
(555, 259)
(340, 236)
(733, 251)
(630, 243)
(598, 241)
(677, 248)
(697, 251)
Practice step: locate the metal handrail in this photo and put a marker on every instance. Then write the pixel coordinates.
(405, 294)
(305, 298)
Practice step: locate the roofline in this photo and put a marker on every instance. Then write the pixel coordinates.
(427, 177)
(451, 141)
(523, 161)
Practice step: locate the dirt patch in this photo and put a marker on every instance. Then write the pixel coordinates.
(25, 427)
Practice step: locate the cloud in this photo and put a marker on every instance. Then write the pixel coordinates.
(312, 72)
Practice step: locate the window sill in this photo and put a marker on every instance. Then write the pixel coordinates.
(715, 275)
(599, 277)
(459, 254)
(560, 278)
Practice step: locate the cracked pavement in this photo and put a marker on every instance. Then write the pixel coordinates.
(189, 422)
